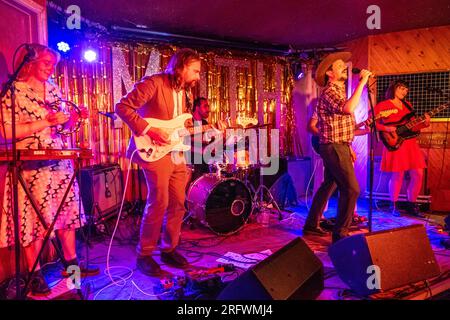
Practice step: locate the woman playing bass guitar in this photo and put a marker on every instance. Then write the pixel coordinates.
(408, 156)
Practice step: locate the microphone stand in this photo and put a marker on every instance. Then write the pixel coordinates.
(373, 133)
(10, 86)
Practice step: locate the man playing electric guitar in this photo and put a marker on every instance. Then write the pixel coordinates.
(164, 98)
(406, 156)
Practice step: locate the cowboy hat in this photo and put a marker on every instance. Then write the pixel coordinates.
(326, 63)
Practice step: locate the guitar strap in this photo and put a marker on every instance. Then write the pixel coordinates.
(408, 106)
(188, 101)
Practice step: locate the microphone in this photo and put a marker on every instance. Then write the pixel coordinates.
(31, 53)
(358, 71)
(111, 115)
(117, 122)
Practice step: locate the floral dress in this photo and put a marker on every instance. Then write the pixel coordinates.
(46, 180)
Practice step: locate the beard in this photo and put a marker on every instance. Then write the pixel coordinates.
(190, 84)
(343, 77)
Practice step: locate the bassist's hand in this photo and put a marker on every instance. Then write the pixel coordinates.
(427, 119)
(388, 129)
(159, 137)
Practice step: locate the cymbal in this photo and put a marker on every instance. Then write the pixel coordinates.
(258, 126)
(251, 127)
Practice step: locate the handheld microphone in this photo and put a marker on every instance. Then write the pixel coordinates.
(358, 71)
(111, 115)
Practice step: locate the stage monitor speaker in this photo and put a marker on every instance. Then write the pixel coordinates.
(101, 189)
(383, 260)
(291, 273)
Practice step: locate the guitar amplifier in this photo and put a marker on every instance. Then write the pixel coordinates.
(101, 190)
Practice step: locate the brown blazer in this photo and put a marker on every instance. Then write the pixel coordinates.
(152, 97)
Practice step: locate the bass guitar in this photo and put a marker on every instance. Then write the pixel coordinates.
(408, 127)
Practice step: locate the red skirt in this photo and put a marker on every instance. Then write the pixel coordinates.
(407, 157)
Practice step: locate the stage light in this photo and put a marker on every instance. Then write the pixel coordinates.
(300, 75)
(90, 55)
(63, 46)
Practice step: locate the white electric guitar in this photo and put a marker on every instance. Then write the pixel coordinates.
(176, 130)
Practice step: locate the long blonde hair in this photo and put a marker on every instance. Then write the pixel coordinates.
(39, 49)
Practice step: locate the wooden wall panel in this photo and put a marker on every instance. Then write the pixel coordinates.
(437, 153)
(410, 51)
(21, 21)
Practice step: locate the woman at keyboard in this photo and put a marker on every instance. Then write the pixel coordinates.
(47, 180)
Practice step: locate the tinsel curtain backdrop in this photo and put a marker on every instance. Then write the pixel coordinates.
(237, 84)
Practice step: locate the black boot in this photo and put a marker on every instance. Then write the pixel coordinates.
(148, 266)
(38, 284)
(414, 209)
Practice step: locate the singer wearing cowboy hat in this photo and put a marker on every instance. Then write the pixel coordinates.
(336, 125)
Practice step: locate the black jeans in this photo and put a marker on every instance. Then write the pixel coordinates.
(338, 169)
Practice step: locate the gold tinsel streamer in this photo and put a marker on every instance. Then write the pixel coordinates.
(91, 84)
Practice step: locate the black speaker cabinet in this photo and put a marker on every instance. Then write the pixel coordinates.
(289, 183)
(101, 188)
(399, 257)
(291, 273)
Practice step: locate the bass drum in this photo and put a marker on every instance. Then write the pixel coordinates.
(223, 205)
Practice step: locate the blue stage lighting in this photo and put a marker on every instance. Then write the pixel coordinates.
(90, 55)
(63, 46)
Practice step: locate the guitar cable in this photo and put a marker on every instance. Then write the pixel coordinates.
(316, 164)
(123, 279)
(108, 267)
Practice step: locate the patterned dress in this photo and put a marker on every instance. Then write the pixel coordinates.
(47, 181)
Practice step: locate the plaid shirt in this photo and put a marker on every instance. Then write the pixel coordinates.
(334, 125)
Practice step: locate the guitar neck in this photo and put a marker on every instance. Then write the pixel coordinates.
(198, 129)
(361, 124)
(415, 122)
(431, 113)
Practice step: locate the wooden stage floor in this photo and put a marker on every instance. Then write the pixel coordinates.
(203, 248)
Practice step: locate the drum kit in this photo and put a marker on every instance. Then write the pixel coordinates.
(224, 198)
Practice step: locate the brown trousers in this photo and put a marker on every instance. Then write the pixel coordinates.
(166, 184)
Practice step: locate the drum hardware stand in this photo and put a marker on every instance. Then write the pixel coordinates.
(50, 229)
(258, 198)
